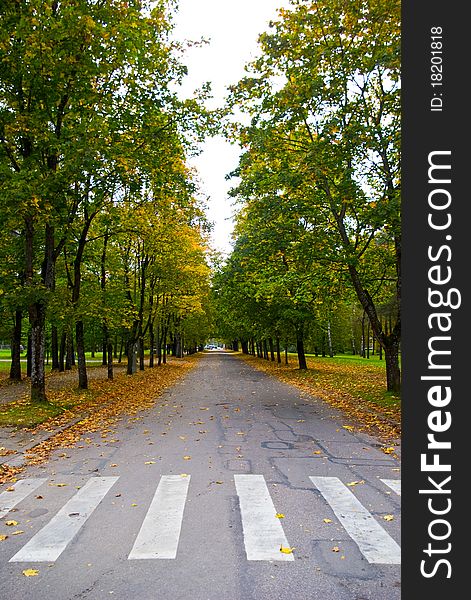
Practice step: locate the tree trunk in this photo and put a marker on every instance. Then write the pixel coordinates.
(286, 354)
(15, 367)
(54, 348)
(110, 360)
(368, 340)
(278, 354)
(69, 349)
(265, 349)
(152, 344)
(62, 351)
(300, 349)
(121, 348)
(329, 340)
(29, 358)
(393, 371)
(164, 341)
(37, 319)
(82, 364)
(141, 353)
(104, 346)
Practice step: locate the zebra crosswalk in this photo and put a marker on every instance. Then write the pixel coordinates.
(162, 525)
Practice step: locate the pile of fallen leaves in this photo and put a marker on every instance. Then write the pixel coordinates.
(356, 389)
(104, 404)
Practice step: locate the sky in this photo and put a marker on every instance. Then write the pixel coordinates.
(232, 28)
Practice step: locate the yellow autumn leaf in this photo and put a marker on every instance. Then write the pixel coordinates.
(280, 516)
(286, 550)
(30, 572)
(11, 523)
(388, 450)
(348, 427)
(10, 489)
(17, 532)
(327, 520)
(352, 483)
(388, 517)
(3, 537)
(335, 549)
(187, 458)
(317, 452)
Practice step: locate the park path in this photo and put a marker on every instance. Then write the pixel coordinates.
(196, 497)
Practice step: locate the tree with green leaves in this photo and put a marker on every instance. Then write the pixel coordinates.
(324, 102)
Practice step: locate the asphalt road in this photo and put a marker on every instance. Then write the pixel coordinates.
(180, 502)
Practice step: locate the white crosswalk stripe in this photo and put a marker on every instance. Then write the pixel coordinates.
(160, 531)
(394, 484)
(49, 543)
(21, 489)
(263, 533)
(373, 541)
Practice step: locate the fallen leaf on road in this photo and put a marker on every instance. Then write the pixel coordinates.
(61, 484)
(317, 452)
(301, 421)
(388, 517)
(219, 482)
(187, 458)
(240, 433)
(327, 520)
(348, 427)
(286, 550)
(280, 516)
(39, 497)
(150, 462)
(17, 532)
(133, 504)
(335, 549)
(204, 408)
(113, 465)
(3, 537)
(30, 572)
(11, 523)
(352, 483)
(10, 489)
(387, 450)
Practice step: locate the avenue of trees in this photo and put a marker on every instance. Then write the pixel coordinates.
(318, 229)
(102, 242)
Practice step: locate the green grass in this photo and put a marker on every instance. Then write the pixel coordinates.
(345, 359)
(5, 358)
(28, 415)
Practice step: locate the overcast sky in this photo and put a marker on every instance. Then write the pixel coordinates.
(233, 28)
